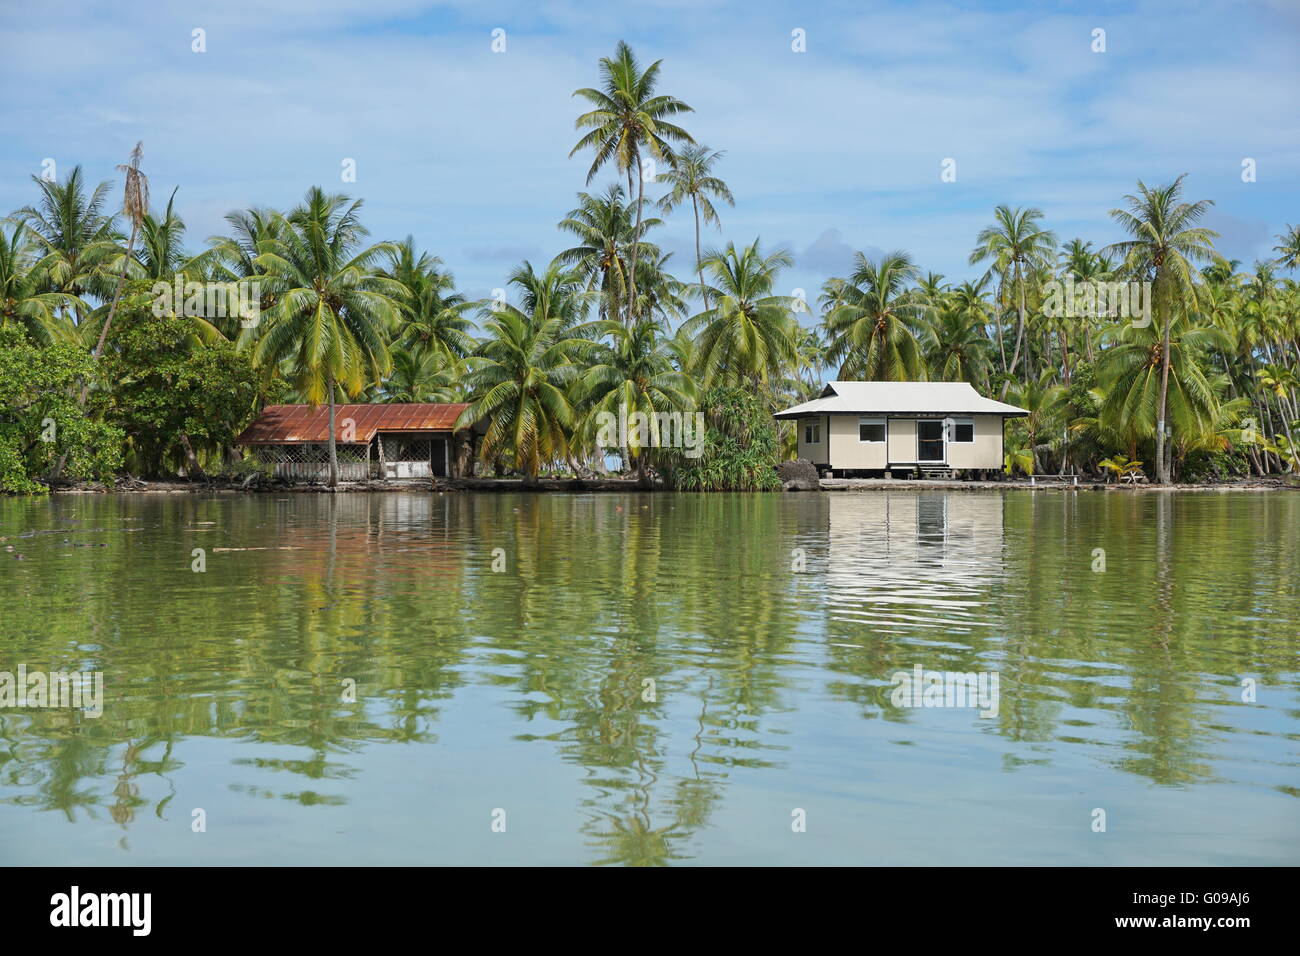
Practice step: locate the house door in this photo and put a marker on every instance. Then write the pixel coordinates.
(929, 441)
(438, 457)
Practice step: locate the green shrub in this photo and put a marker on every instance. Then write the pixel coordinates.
(740, 446)
(41, 419)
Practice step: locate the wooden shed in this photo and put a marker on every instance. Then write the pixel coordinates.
(398, 441)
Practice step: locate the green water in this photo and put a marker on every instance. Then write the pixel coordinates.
(654, 679)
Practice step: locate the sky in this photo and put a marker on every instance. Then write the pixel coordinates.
(835, 148)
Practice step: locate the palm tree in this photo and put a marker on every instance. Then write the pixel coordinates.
(522, 373)
(1043, 400)
(420, 375)
(162, 257)
(233, 258)
(746, 335)
(633, 373)
(871, 317)
(74, 230)
(683, 350)
(660, 296)
(237, 253)
(957, 348)
(810, 359)
(434, 318)
(1288, 248)
(25, 275)
(1166, 240)
(556, 293)
(72, 226)
(1015, 245)
(333, 303)
(603, 227)
(1282, 382)
(1084, 266)
(692, 176)
(629, 117)
(1148, 363)
(162, 242)
(933, 287)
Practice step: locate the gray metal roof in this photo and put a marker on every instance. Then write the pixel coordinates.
(925, 398)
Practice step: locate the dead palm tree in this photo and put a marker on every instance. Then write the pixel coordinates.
(135, 206)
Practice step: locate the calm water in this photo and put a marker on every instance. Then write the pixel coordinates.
(525, 694)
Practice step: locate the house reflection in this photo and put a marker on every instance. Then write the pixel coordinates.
(903, 561)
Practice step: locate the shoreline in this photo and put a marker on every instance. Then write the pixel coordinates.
(621, 485)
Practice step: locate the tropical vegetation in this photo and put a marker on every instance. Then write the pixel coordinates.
(98, 382)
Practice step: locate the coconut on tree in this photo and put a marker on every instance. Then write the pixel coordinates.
(872, 318)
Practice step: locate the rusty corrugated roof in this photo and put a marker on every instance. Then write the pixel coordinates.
(289, 424)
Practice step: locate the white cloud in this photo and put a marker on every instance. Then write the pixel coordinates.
(468, 149)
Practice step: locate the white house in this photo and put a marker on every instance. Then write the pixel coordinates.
(879, 429)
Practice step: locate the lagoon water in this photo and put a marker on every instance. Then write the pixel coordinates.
(654, 679)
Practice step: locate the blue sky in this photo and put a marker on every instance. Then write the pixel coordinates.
(829, 151)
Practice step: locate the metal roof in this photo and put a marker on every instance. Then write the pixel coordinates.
(289, 424)
(923, 398)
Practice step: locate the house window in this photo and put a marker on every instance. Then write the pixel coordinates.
(871, 430)
(963, 430)
(812, 433)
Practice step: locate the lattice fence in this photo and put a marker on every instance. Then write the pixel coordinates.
(311, 461)
(405, 457)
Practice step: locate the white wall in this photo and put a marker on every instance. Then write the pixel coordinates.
(902, 439)
(819, 453)
(985, 451)
(842, 449)
(847, 448)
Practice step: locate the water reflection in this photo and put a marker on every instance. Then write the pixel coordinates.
(644, 679)
(902, 561)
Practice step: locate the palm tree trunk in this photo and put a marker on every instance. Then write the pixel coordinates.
(636, 238)
(193, 470)
(642, 472)
(1162, 468)
(112, 311)
(117, 296)
(699, 256)
(1286, 427)
(1020, 329)
(334, 449)
(1002, 348)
